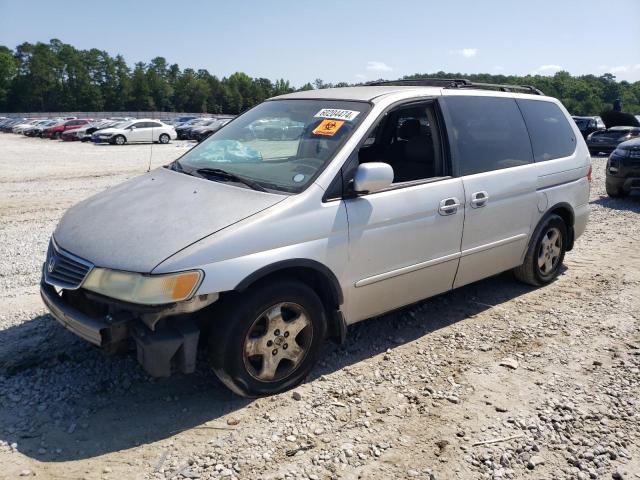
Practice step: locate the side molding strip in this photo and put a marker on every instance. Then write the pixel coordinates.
(436, 261)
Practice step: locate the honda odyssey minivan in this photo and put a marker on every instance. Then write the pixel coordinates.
(258, 248)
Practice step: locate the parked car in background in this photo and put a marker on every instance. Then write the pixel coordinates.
(36, 130)
(135, 131)
(180, 120)
(183, 129)
(55, 132)
(19, 128)
(623, 169)
(84, 133)
(606, 141)
(260, 249)
(588, 125)
(203, 132)
(620, 126)
(189, 132)
(8, 125)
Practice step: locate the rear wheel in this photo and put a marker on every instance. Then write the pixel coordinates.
(545, 253)
(119, 140)
(267, 340)
(164, 138)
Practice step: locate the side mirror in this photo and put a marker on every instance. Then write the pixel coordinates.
(132, 127)
(372, 177)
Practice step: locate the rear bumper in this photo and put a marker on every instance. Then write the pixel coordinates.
(581, 217)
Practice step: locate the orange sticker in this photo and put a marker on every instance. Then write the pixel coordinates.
(328, 128)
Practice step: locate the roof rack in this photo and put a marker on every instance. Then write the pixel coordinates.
(458, 83)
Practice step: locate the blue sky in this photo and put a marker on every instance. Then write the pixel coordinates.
(345, 40)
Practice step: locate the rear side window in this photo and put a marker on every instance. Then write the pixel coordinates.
(551, 135)
(488, 133)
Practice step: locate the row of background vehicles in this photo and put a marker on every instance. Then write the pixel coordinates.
(617, 134)
(115, 130)
(604, 133)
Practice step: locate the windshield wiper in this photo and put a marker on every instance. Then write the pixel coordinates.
(207, 171)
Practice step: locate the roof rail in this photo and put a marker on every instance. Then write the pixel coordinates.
(458, 83)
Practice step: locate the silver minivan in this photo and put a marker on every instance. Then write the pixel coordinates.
(259, 247)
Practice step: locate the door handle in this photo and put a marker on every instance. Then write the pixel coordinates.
(479, 199)
(449, 206)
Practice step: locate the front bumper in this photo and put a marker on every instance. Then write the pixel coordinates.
(626, 184)
(94, 330)
(166, 339)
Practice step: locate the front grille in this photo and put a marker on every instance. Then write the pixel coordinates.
(64, 270)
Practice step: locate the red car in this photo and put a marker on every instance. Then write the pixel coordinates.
(55, 131)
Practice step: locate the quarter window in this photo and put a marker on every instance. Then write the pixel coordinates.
(551, 135)
(487, 133)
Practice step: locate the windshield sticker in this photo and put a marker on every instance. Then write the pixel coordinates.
(337, 113)
(328, 128)
(298, 178)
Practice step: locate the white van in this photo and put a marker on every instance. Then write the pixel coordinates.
(262, 246)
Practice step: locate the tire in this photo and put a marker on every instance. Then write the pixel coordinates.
(119, 140)
(56, 136)
(249, 331)
(547, 249)
(164, 139)
(615, 192)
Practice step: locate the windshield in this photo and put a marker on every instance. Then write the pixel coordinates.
(281, 144)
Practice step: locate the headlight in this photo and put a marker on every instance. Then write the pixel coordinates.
(144, 289)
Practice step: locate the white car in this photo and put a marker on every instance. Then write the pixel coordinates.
(142, 130)
(23, 126)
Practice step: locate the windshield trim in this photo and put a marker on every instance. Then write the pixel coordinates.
(320, 170)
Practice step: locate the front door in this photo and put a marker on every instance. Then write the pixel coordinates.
(404, 242)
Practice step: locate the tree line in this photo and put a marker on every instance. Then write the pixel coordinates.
(56, 76)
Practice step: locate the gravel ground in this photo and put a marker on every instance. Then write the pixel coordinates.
(494, 380)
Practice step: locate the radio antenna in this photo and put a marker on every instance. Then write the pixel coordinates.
(150, 151)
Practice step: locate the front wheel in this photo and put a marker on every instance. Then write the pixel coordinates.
(267, 340)
(164, 139)
(545, 253)
(119, 140)
(613, 191)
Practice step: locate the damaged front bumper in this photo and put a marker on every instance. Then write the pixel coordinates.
(166, 336)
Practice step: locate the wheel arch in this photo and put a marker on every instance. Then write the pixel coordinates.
(317, 276)
(565, 211)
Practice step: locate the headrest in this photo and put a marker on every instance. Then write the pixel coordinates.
(410, 128)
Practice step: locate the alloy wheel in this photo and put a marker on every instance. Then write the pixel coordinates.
(277, 342)
(550, 250)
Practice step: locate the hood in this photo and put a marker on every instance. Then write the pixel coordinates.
(138, 224)
(108, 130)
(619, 119)
(630, 144)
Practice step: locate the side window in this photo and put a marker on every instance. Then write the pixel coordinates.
(153, 124)
(551, 135)
(408, 139)
(487, 133)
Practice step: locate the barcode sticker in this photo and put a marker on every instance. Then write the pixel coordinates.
(337, 114)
